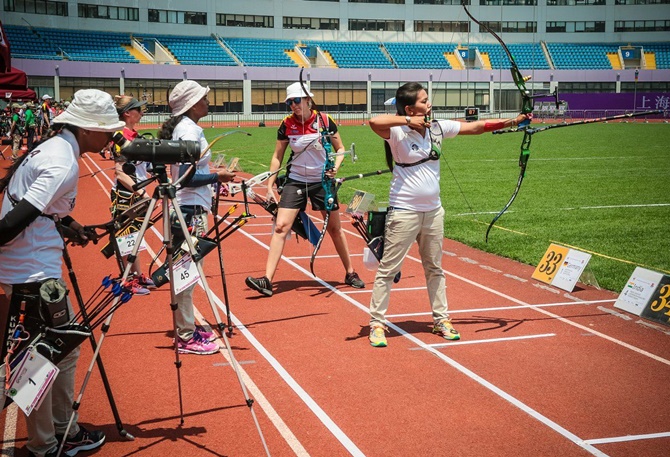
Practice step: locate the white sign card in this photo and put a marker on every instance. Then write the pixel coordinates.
(637, 291)
(31, 380)
(569, 272)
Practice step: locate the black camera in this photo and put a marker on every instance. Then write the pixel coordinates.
(158, 151)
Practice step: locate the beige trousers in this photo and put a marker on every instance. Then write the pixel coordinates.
(402, 228)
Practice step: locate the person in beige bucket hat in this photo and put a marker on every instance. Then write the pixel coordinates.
(189, 104)
(38, 188)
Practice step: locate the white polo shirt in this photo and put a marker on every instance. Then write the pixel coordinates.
(47, 179)
(416, 188)
(189, 130)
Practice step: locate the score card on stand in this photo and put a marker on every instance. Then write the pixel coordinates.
(561, 267)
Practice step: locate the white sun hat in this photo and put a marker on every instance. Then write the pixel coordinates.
(46, 97)
(185, 95)
(91, 109)
(296, 90)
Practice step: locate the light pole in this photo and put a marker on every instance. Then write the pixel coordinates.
(637, 73)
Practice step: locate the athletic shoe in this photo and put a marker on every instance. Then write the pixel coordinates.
(377, 337)
(447, 330)
(146, 281)
(205, 334)
(136, 288)
(352, 279)
(262, 285)
(52, 453)
(83, 441)
(197, 345)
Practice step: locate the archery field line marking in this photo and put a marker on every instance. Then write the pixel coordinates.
(491, 340)
(255, 391)
(502, 308)
(621, 439)
(574, 208)
(609, 257)
(472, 375)
(393, 289)
(265, 405)
(557, 159)
(449, 361)
(542, 311)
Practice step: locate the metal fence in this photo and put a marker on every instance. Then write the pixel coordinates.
(233, 120)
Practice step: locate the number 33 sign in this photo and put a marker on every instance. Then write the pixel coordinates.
(561, 267)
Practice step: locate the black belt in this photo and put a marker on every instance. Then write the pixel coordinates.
(196, 210)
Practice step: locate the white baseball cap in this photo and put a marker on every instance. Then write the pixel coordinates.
(185, 95)
(46, 97)
(296, 90)
(91, 109)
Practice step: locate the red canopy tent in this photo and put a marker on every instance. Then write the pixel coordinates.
(13, 82)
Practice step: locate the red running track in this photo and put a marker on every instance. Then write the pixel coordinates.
(538, 372)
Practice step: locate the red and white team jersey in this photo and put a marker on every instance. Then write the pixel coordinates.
(307, 153)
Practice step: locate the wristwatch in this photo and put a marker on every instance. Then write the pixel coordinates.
(408, 119)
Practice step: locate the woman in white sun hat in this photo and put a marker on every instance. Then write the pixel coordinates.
(188, 102)
(38, 188)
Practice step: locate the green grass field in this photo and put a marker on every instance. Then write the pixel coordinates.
(600, 188)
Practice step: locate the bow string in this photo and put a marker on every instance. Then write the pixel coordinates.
(527, 106)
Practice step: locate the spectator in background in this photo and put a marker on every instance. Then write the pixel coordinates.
(46, 112)
(16, 131)
(30, 125)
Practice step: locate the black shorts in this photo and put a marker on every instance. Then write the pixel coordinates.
(295, 193)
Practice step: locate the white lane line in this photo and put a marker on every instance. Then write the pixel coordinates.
(621, 439)
(254, 391)
(500, 308)
(279, 424)
(469, 373)
(394, 289)
(555, 316)
(325, 256)
(491, 340)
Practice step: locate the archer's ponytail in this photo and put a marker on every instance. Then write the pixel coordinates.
(168, 127)
(406, 95)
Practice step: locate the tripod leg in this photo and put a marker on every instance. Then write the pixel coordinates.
(169, 249)
(106, 325)
(101, 366)
(233, 361)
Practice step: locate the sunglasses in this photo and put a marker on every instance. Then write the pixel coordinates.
(295, 100)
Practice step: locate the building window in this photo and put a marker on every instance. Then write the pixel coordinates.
(509, 2)
(641, 26)
(400, 2)
(245, 20)
(440, 2)
(376, 25)
(49, 7)
(510, 27)
(575, 2)
(311, 23)
(177, 17)
(576, 27)
(441, 26)
(108, 12)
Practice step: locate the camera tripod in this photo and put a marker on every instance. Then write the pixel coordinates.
(166, 192)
